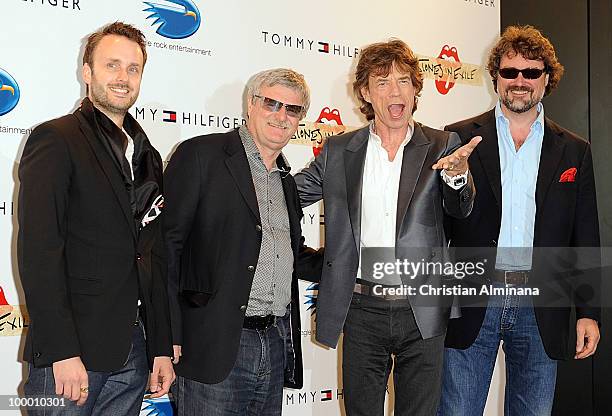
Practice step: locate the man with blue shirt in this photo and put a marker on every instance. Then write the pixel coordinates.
(536, 188)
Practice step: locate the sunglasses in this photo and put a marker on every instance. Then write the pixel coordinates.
(293, 110)
(528, 73)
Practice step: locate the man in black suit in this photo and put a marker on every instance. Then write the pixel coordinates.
(379, 190)
(234, 240)
(90, 243)
(536, 190)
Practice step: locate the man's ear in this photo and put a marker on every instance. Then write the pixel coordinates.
(86, 72)
(365, 92)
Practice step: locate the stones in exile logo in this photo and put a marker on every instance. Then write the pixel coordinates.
(177, 19)
(329, 123)
(13, 318)
(447, 70)
(9, 92)
(449, 54)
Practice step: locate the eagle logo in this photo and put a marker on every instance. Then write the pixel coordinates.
(156, 407)
(178, 19)
(9, 92)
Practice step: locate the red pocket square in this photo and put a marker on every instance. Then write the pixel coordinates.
(569, 175)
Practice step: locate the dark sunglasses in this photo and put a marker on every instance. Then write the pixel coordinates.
(293, 110)
(528, 73)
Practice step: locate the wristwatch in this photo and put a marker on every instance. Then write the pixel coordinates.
(456, 181)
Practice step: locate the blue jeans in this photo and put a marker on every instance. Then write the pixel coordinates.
(110, 393)
(530, 373)
(254, 386)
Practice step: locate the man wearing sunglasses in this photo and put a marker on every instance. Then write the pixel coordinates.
(535, 189)
(380, 190)
(234, 240)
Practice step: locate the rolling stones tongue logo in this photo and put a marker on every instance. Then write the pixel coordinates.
(2, 297)
(327, 116)
(444, 85)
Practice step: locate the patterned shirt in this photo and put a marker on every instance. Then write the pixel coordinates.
(271, 290)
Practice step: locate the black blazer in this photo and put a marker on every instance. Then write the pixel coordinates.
(213, 233)
(82, 262)
(566, 216)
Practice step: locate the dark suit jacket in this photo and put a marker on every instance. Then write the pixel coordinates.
(81, 260)
(213, 233)
(336, 177)
(566, 216)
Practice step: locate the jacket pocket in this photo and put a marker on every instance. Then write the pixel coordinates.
(196, 299)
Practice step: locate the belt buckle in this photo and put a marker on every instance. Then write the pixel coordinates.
(516, 274)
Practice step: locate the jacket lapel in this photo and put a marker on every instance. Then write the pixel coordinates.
(110, 170)
(550, 157)
(413, 159)
(354, 160)
(238, 165)
(488, 152)
(293, 208)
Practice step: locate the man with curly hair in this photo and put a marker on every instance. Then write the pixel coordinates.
(535, 189)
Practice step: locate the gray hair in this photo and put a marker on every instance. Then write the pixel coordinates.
(280, 76)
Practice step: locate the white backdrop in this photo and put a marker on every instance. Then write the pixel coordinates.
(196, 74)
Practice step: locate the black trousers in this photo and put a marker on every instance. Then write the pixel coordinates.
(377, 335)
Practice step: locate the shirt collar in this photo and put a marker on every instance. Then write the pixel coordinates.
(252, 150)
(376, 138)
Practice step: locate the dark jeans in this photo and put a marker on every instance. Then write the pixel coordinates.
(115, 393)
(254, 386)
(530, 373)
(378, 334)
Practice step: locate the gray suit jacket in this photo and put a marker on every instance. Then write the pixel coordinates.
(336, 177)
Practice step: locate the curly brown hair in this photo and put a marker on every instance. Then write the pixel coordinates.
(119, 29)
(528, 42)
(377, 60)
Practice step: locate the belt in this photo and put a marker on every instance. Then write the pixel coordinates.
(368, 290)
(260, 323)
(511, 277)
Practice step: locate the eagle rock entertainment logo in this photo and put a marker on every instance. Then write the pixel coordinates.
(447, 70)
(311, 298)
(178, 19)
(13, 318)
(9, 92)
(314, 134)
(156, 407)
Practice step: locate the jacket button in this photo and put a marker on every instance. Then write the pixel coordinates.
(243, 308)
(251, 268)
(258, 227)
(138, 256)
(329, 264)
(37, 355)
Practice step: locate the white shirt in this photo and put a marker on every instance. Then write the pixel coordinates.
(380, 186)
